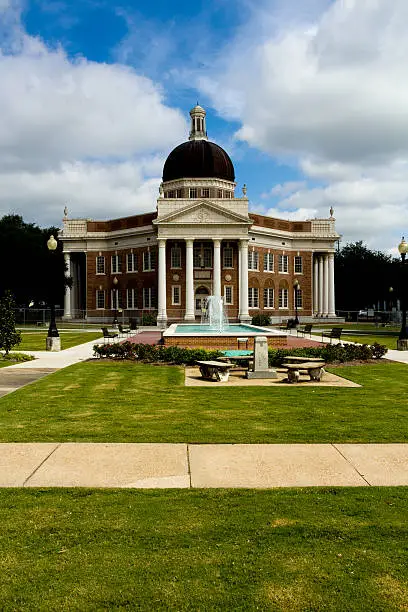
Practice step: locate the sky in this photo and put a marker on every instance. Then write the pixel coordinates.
(310, 99)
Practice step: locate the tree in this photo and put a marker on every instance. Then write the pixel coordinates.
(363, 277)
(9, 337)
(28, 270)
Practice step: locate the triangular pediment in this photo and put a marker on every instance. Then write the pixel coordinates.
(203, 212)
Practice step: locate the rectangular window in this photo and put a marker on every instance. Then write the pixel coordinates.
(170, 194)
(116, 264)
(179, 193)
(207, 258)
(268, 262)
(283, 263)
(228, 295)
(131, 262)
(197, 258)
(227, 263)
(253, 260)
(298, 298)
(227, 194)
(283, 298)
(193, 192)
(298, 265)
(100, 264)
(114, 299)
(131, 299)
(253, 297)
(205, 193)
(100, 299)
(268, 297)
(219, 193)
(149, 297)
(176, 295)
(176, 257)
(149, 261)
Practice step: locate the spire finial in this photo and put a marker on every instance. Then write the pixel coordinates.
(198, 130)
(331, 212)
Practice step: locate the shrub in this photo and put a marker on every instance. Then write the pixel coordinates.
(154, 354)
(17, 357)
(9, 336)
(379, 350)
(330, 353)
(261, 319)
(148, 318)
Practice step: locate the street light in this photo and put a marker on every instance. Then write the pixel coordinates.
(402, 342)
(296, 287)
(53, 341)
(115, 285)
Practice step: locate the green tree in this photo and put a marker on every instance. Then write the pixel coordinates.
(9, 337)
(363, 277)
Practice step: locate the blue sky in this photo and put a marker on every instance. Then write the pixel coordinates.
(309, 100)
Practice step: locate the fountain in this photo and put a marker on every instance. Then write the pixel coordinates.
(214, 316)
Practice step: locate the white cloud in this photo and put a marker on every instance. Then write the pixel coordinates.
(78, 131)
(329, 91)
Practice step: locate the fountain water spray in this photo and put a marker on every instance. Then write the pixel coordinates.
(214, 315)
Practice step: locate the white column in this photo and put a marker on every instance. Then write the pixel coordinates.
(325, 285)
(243, 285)
(315, 285)
(332, 308)
(320, 285)
(189, 314)
(217, 268)
(67, 296)
(162, 306)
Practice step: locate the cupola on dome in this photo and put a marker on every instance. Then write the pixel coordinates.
(198, 158)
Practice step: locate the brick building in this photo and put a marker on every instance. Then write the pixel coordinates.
(200, 241)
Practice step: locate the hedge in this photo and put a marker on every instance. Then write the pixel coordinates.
(330, 353)
(154, 354)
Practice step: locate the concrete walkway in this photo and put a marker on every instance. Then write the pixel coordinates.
(202, 466)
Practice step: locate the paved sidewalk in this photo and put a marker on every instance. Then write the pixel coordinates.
(144, 466)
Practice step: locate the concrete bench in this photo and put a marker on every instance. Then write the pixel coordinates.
(215, 370)
(313, 368)
(298, 359)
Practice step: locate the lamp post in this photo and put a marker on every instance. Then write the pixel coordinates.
(53, 341)
(115, 289)
(402, 342)
(296, 287)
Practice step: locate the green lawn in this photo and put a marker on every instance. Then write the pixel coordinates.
(284, 550)
(35, 341)
(103, 401)
(389, 341)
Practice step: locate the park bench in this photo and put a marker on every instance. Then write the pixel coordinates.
(333, 334)
(107, 335)
(289, 325)
(307, 329)
(124, 331)
(315, 370)
(215, 370)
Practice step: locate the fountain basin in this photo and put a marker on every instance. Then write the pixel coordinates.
(235, 336)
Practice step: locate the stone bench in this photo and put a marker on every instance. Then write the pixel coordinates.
(215, 370)
(313, 368)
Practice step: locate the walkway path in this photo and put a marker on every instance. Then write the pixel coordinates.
(202, 466)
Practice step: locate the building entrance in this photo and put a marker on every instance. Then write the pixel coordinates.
(200, 300)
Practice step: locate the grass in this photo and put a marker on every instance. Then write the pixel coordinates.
(101, 401)
(310, 549)
(388, 341)
(35, 341)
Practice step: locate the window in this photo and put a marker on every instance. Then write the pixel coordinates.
(283, 263)
(149, 297)
(100, 298)
(219, 193)
(207, 258)
(176, 257)
(114, 299)
(253, 259)
(149, 261)
(205, 193)
(176, 295)
(179, 193)
(131, 299)
(268, 297)
(227, 263)
(100, 265)
(283, 298)
(116, 264)
(131, 262)
(227, 194)
(228, 295)
(268, 262)
(298, 265)
(253, 297)
(170, 194)
(298, 298)
(193, 192)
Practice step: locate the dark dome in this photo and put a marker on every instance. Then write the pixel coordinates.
(198, 159)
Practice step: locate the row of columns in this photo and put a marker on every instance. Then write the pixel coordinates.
(190, 310)
(323, 285)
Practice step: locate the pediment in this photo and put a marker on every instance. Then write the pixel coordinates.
(203, 213)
